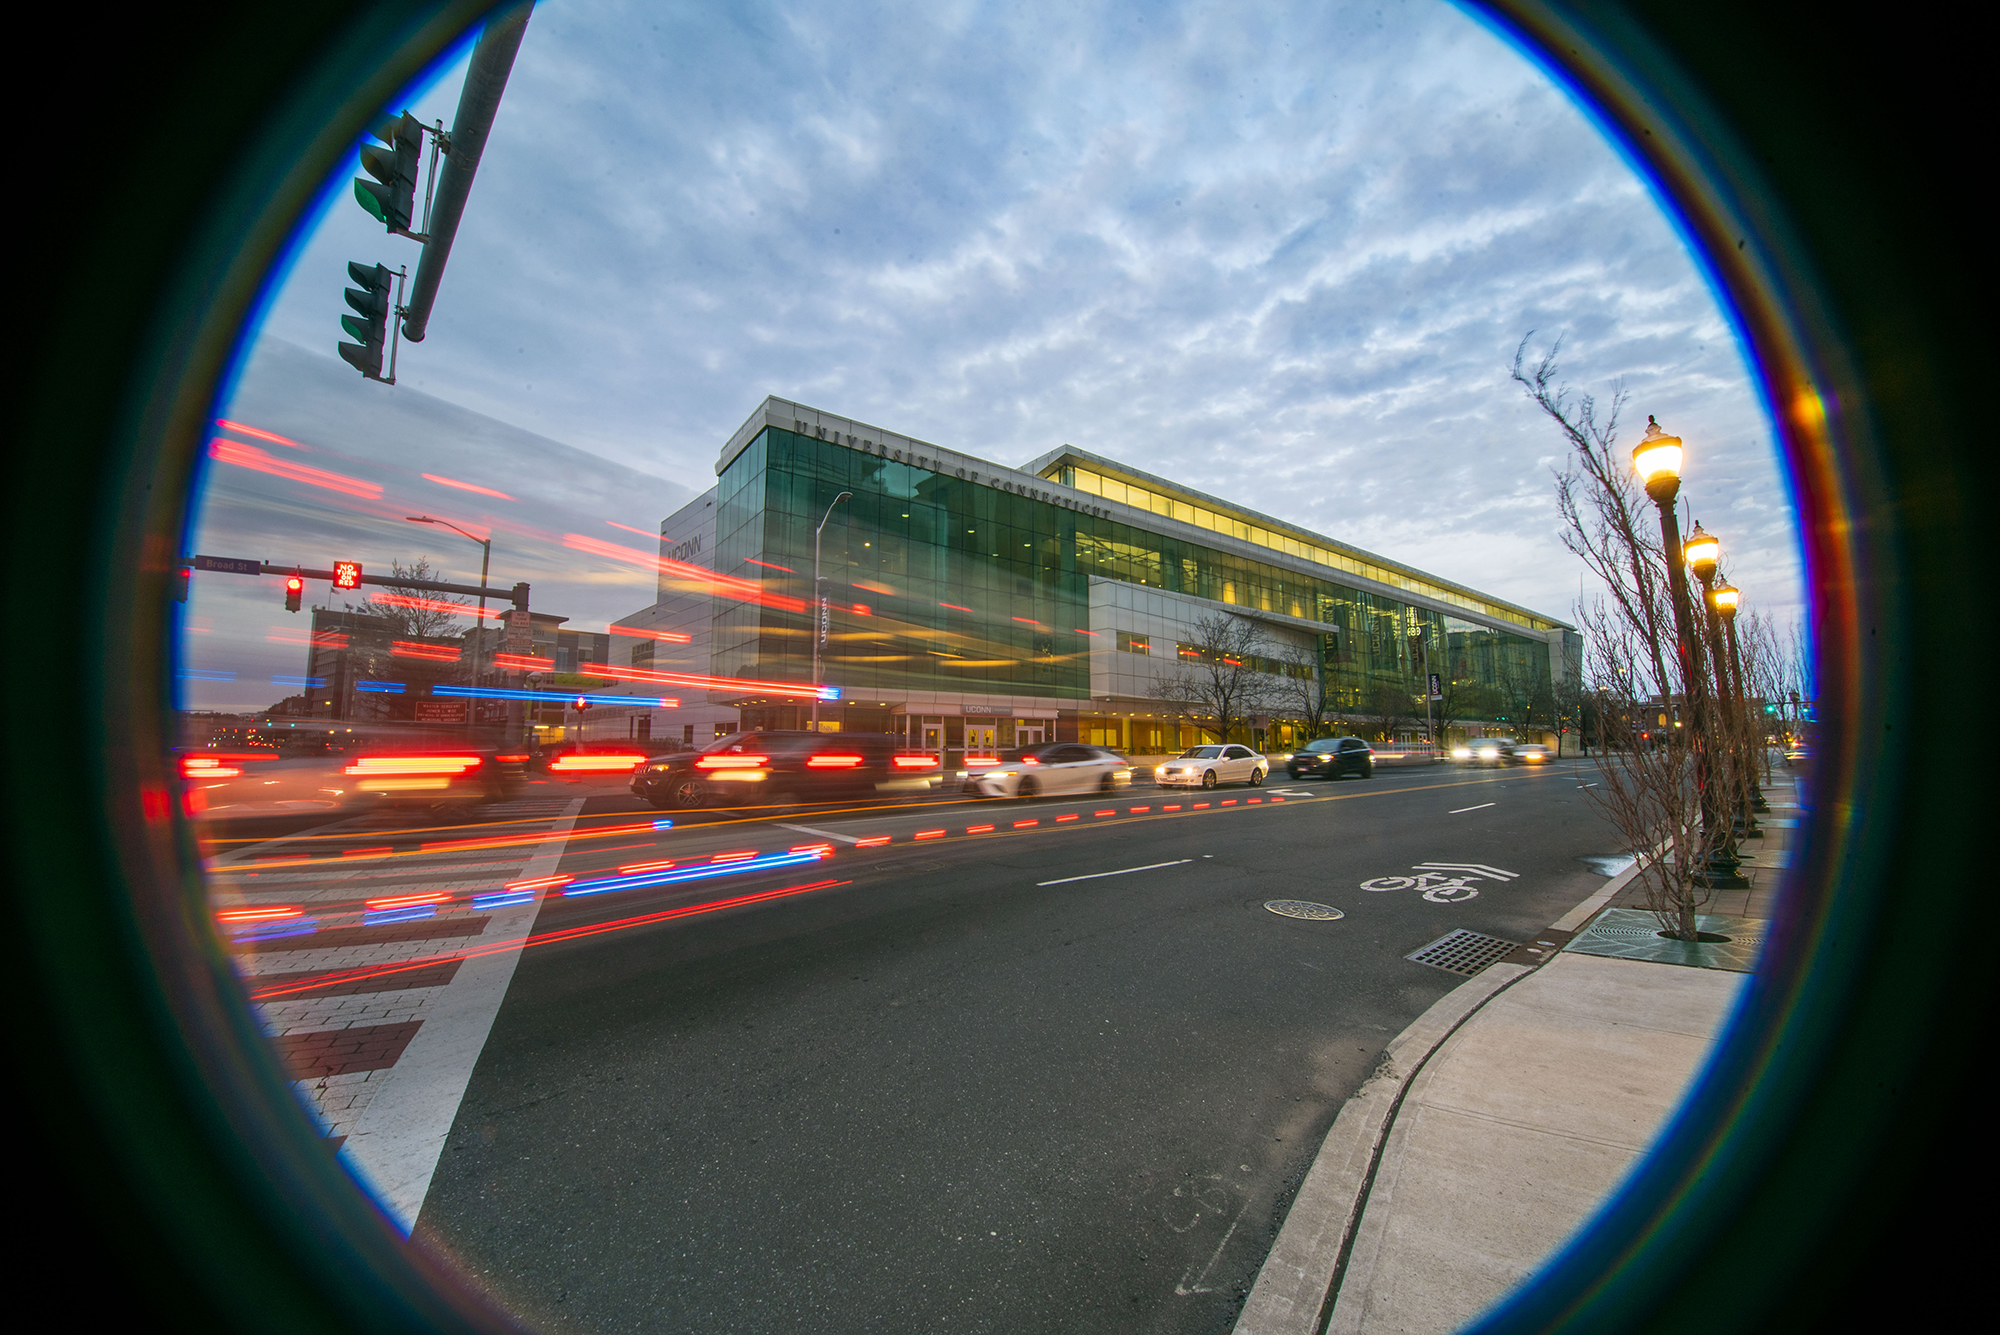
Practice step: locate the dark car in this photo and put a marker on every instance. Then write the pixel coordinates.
(759, 768)
(1331, 757)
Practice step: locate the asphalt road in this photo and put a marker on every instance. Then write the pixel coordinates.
(938, 1093)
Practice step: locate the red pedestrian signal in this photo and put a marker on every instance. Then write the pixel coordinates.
(294, 589)
(346, 574)
(582, 703)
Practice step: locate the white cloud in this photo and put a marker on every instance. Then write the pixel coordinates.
(1281, 252)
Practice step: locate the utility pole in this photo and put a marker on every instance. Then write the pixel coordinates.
(478, 103)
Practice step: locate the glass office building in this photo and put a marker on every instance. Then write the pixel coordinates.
(968, 604)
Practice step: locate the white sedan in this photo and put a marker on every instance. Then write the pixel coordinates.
(1047, 771)
(1206, 766)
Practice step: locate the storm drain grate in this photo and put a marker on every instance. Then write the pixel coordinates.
(1462, 952)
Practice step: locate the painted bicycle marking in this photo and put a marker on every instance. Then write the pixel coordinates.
(1442, 882)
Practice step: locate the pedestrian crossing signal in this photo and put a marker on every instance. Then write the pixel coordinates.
(582, 702)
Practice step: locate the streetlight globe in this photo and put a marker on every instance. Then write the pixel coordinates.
(1726, 597)
(1702, 550)
(1658, 458)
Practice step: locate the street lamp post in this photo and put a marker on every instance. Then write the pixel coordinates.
(1704, 555)
(485, 562)
(1726, 598)
(819, 602)
(1657, 457)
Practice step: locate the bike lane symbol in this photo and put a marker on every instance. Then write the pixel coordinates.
(1435, 887)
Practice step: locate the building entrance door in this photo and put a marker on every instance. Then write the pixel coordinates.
(1028, 732)
(981, 739)
(934, 737)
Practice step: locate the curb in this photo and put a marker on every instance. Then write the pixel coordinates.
(1300, 1278)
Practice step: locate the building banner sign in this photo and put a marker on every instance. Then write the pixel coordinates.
(1437, 687)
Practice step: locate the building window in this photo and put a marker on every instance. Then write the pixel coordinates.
(562, 660)
(1134, 644)
(687, 733)
(642, 654)
(1190, 653)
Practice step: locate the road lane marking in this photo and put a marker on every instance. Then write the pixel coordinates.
(396, 1143)
(821, 834)
(1122, 871)
(1462, 810)
(1498, 872)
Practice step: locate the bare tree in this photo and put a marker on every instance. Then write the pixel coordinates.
(1302, 688)
(1216, 680)
(1386, 708)
(421, 619)
(1668, 791)
(1647, 786)
(418, 614)
(1603, 510)
(1572, 702)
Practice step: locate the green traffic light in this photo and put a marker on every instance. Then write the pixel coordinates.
(365, 192)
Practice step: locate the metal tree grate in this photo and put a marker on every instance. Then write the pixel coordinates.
(1462, 952)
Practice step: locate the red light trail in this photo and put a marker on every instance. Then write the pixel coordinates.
(724, 585)
(249, 456)
(271, 436)
(543, 939)
(466, 486)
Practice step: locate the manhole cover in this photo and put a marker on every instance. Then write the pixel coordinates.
(1300, 908)
(1461, 952)
(911, 866)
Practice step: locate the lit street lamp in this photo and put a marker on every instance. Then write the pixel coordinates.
(1704, 554)
(819, 602)
(1726, 598)
(1657, 457)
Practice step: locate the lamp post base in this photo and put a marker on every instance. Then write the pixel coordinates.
(1721, 872)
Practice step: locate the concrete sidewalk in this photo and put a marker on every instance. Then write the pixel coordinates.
(1498, 1124)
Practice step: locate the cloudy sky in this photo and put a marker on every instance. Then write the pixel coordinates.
(1280, 252)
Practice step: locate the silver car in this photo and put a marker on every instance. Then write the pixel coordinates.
(1053, 771)
(1207, 766)
(1483, 751)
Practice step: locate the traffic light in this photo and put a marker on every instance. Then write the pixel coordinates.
(346, 574)
(294, 589)
(392, 196)
(582, 704)
(371, 327)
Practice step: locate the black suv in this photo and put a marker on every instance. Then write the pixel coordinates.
(1331, 757)
(759, 768)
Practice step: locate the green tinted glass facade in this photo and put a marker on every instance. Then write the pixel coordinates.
(941, 584)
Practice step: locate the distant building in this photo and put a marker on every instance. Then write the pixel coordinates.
(973, 605)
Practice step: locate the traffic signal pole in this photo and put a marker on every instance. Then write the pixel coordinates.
(518, 595)
(478, 102)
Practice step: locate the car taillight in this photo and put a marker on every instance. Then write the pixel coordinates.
(373, 766)
(916, 762)
(604, 764)
(731, 762)
(207, 767)
(981, 762)
(511, 759)
(833, 762)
